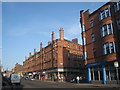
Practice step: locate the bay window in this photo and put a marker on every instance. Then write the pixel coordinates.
(109, 47)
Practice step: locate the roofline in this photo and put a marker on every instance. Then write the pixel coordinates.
(99, 8)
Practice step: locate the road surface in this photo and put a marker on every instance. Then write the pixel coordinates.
(36, 84)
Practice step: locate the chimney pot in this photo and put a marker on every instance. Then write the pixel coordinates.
(75, 40)
(30, 54)
(34, 51)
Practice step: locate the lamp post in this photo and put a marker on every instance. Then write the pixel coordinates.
(116, 66)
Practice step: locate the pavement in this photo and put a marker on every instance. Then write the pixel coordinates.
(87, 84)
(100, 85)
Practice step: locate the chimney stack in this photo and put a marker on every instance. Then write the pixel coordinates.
(52, 36)
(34, 51)
(41, 46)
(61, 34)
(75, 40)
(30, 54)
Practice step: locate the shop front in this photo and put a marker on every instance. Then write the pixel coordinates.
(61, 74)
(104, 72)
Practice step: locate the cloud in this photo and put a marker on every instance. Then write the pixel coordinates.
(18, 31)
(74, 29)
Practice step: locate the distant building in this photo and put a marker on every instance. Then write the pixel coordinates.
(101, 43)
(18, 69)
(61, 59)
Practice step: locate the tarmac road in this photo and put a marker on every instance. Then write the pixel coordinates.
(37, 84)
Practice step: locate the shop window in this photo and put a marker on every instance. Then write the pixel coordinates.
(108, 75)
(96, 75)
(101, 75)
(113, 75)
(92, 75)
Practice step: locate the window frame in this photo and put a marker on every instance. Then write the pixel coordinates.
(105, 13)
(93, 37)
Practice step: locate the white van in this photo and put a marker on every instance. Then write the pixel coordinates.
(15, 78)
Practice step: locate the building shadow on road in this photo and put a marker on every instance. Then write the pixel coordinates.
(13, 87)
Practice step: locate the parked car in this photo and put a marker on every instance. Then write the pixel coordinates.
(15, 78)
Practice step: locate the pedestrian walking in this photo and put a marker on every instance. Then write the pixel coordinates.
(78, 79)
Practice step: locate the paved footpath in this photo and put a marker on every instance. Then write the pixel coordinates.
(85, 85)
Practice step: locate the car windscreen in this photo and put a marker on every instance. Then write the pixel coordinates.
(15, 76)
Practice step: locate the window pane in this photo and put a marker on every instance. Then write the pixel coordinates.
(105, 29)
(113, 75)
(107, 48)
(111, 47)
(91, 75)
(109, 27)
(103, 14)
(92, 23)
(107, 12)
(107, 75)
(93, 37)
(104, 49)
(101, 75)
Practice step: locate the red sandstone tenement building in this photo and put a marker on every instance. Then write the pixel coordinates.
(60, 59)
(101, 43)
(18, 69)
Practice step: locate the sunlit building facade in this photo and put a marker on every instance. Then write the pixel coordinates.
(61, 59)
(101, 43)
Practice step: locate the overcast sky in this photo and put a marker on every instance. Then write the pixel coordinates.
(25, 25)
